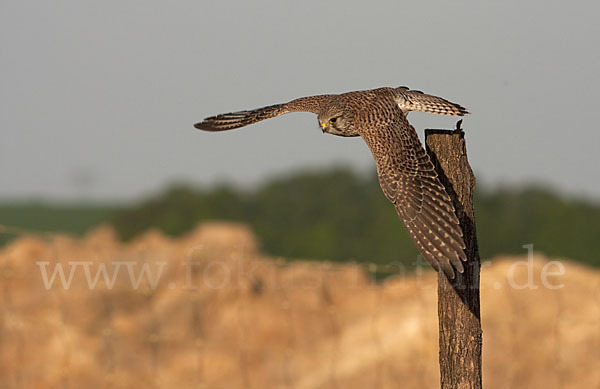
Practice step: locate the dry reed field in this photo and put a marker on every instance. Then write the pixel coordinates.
(209, 310)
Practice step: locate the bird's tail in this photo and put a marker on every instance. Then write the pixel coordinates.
(412, 100)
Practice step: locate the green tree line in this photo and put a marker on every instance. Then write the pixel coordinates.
(339, 215)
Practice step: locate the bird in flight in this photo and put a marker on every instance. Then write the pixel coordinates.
(406, 174)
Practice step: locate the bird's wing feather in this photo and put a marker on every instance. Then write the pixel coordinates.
(229, 121)
(414, 100)
(408, 179)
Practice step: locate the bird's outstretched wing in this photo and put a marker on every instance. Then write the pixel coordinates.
(229, 121)
(409, 180)
(414, 100)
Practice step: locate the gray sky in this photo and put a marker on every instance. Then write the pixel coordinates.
(98, 99)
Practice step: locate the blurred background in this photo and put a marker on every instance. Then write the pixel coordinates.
(100, 163)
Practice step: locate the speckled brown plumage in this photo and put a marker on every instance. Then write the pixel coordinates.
(406, 174)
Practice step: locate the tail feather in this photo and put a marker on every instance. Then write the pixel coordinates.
(412, 100)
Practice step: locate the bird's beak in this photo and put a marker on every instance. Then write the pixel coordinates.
(323, 125)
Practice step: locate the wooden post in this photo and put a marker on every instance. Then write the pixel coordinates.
(458, 299)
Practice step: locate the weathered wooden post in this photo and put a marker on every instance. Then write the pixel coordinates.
(460, 339)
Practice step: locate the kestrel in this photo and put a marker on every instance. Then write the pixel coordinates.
(406, 174)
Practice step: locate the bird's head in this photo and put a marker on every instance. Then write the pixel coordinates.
(336, 121)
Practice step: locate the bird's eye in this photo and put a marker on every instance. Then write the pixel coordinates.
(333, 120)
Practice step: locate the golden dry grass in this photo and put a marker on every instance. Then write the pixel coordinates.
(235, 318)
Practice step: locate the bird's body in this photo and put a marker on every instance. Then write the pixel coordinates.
(406, 174)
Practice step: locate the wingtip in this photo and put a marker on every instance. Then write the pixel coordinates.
(206, 125)
(448, 271)
(462, 110)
